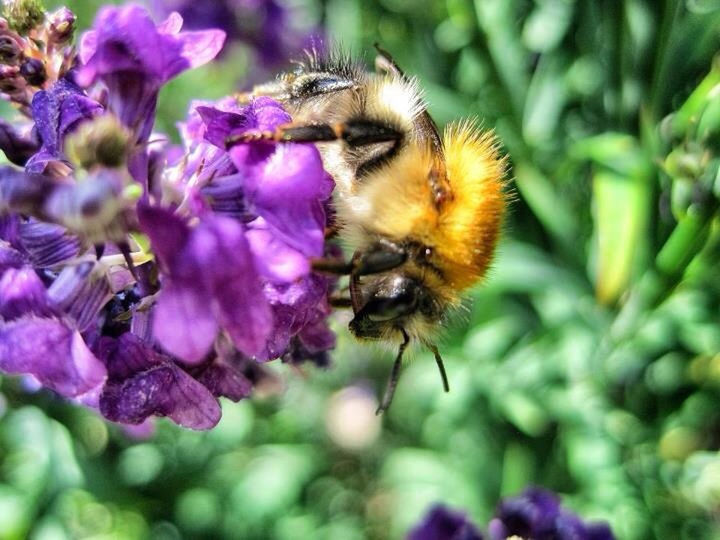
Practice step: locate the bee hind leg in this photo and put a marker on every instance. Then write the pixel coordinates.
(355, 133)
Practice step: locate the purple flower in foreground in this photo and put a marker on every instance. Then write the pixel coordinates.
(442, 523)
(136, 329)
(211, 284)
(537, 514)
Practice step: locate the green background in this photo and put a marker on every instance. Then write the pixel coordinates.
(588, 363)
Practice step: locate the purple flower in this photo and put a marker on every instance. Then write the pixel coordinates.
(442, 523)
(211, 284)
(537, 514)
(284, 184)
(134, 57)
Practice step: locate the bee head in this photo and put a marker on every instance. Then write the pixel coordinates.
(384, 303)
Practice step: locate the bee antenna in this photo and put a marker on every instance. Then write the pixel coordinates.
(394, 375)
(441, 366)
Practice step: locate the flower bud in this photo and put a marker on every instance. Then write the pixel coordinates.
(11, 82)
(687, 162)
(61, 25)
(24, 15)
(10, 49)
(101, 141)
(33, 71)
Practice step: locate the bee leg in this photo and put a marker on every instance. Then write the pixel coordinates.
(441, 366)
(394, 375)
(376, 261)
(382, 260)
(327, 265)
(355, 133)
(340, 302)
(384, 63)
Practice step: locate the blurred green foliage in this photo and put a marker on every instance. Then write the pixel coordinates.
(588, 363)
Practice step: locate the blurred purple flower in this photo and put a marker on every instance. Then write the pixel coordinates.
(56, 112)
(18, 143)
(269, 27)
(537, 514)
(442, 523)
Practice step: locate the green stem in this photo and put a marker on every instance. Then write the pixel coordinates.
(670, 13)
(686, 241)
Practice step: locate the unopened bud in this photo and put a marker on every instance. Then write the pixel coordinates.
(33, 71)
(686, 162)
(61, 25)
(10, 49)
(10, 80)
(24, 15)
(100, 141)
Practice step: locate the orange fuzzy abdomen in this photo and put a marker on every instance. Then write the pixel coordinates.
(461, 231)
(469, 223)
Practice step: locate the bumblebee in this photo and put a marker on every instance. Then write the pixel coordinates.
(421, 212)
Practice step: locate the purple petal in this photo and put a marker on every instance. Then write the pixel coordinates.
(294, 171)
(225, 377)
(199, 48)
(56, 112)
(242, 309)
(80, 292)
(226, 196)
(47, 244)
(599, 531)
(441, 523)
(276, 260)
(143, 382)
(168, 233)
(17, 146)
(184, 322)
(21, 293)
(219, 125)
(9, 257)
(126, 39)
(172, 25)
(269, 113)
(50, 351)
(87, 47)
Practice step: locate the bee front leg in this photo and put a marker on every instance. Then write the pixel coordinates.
(385, 256)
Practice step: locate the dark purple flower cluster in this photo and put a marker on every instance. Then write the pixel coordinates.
(535, 514)
(267, 26)
(140, 278)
